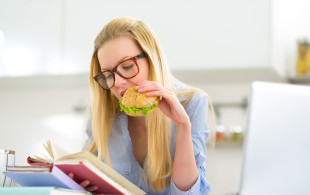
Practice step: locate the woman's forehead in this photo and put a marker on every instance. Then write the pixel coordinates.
(115, 51)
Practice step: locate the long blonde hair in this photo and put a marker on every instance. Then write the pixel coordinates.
(158, 163)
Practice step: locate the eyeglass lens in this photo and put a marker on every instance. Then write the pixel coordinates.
(127, 69)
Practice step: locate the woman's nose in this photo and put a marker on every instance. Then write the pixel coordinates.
(119, 81)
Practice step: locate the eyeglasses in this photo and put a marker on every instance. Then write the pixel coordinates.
(127, 69)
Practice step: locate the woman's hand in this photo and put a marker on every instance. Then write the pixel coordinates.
(169, 103)
(85, 184)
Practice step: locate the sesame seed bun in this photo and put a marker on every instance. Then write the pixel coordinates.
(139, 101)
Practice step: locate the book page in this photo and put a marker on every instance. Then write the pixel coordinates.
(52, 152)
(57, 151)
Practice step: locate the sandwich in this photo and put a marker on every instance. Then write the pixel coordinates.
(134, 103)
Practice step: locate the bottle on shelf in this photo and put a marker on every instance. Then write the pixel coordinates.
(303, 58)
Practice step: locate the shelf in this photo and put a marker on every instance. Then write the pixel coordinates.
(300, 80)
(224, 76)
(229, 144)
(45, 82)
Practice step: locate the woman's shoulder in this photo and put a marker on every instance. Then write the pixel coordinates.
(189, 94)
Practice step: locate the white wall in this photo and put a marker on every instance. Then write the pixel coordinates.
(31, 37)
(40, 108)
(57, 36)
(194, 34)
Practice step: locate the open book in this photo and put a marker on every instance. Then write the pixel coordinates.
(54, 152)
(85, 165)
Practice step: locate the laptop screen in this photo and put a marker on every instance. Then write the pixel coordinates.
(277, 145)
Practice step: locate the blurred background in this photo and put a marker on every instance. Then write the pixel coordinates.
(220, 46)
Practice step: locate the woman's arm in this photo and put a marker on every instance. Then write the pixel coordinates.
(197, 110)
(184, 169)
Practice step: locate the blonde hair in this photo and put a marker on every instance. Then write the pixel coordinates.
(158, 163)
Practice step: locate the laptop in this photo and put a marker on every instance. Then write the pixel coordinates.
(277, 143)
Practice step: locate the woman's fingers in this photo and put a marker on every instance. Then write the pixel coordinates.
(161, 93)
(169, 105)
(91, 188)
(154, 89)
(84, 183)
(147, 86)
(71, 175)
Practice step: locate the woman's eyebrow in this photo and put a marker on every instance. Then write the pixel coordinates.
(123, 59)
(120, 61)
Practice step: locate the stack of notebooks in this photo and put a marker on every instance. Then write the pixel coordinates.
(51, 176)
(40, 191)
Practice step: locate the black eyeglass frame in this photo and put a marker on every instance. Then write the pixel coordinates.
(114, 70)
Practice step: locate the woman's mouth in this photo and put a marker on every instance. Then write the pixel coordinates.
(122, 92)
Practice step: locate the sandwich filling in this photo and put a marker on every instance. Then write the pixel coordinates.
(133, 110)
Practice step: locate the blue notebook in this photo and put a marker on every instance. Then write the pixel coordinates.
(40, 191)
(54, 177)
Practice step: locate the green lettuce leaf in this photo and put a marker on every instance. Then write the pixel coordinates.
(133, 110)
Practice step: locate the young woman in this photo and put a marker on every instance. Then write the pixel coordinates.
(165, 151)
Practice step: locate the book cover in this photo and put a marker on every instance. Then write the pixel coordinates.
(40, 191)
(52, 176)
(86, 165)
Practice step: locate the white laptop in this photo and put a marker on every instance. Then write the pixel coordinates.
(277, 144)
